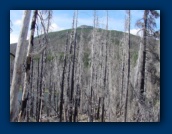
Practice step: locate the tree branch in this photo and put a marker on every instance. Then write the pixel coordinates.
(12, 55)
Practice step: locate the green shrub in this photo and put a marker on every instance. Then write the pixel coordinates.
(86, 60)
(37, 57)
(134, 58)
(50, 57)
(61, 56)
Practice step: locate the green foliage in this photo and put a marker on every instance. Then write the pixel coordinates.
(86, 60)
(46, 90)
(61, 57)
(37, 57)
(134, 57)
(20, 88)
(50, 57)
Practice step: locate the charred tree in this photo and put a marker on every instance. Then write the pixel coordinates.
(28, 65)
(128, 63)
(62, 81)
(19, 57)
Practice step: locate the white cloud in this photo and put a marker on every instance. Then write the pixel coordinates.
(18, 22)
(136, 32)
(55, 27)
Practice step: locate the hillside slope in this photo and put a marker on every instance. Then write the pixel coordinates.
(117, 53)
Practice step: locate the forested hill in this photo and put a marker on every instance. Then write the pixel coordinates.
(57, 39)
(99, 60)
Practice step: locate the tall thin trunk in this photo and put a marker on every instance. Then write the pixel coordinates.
(55, 96)
(38, 96)
(32, 91)
(103, 110)
(73, 67)
(105, 71)
(98, 110)
(122, 77)
(28, 64)
(128, 78)
(41, 88)
(90, 118)
(77, 101)
(62, 81)
(17, 73)
(50, 91)
(139, 84)
(142, 84)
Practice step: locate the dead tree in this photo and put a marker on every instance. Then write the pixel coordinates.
(128, 63)
(19, 57)
(72, 83)
(27, 69)
(90, 114)
(105, 71)
(62, 81)
(29, 57)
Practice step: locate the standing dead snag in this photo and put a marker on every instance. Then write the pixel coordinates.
(37, 93)
(62, 81)
(105, 71)
(28, 63)
(90, 111)
(29, 56)
(32, 90)
(128, 56)
(19, 57)
(73, 46)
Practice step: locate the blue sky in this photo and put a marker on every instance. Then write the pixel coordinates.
(62, 19)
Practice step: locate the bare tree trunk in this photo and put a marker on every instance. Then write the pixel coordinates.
(73, 44)
(98, 110)
(122, 78)
(38, 96)
(32, 91)
(103, 110)
(19, 57)
(142, 86)
(28, 64)
(62, 81)
(105, 71)
(50, 91)
(128, 78)
(140, 73)
(139, 84)
(90, 116)
(77, 102)
(41, 89)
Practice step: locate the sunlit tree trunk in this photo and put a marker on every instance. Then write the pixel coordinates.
(28, 65)
(17, 73)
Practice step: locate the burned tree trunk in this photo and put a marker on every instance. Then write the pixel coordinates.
(103, 110)
(28, 64)
(73, 67)
(38, 96)
(128, 78)
(62, 81)
(19, 57)
(98, 110)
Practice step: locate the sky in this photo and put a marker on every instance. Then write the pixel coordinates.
(62, 19)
